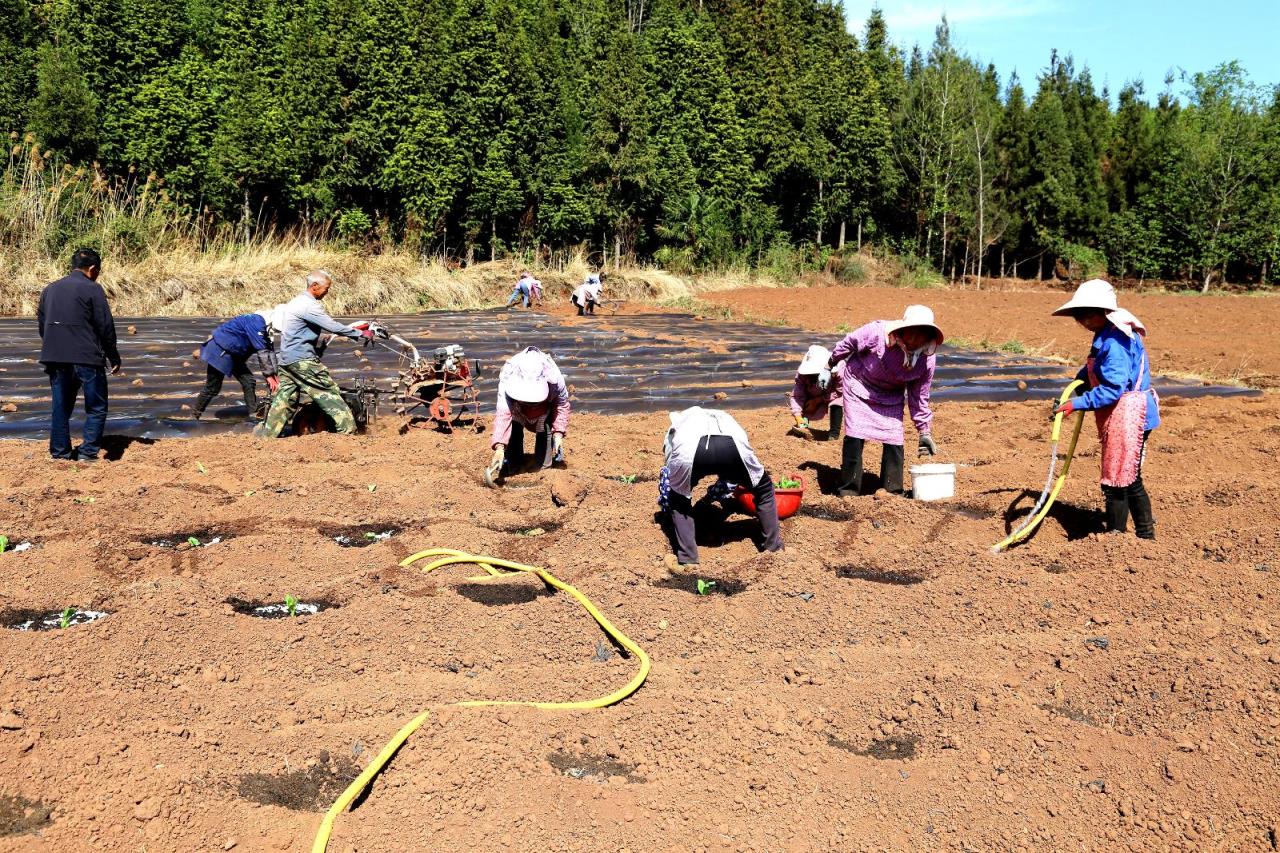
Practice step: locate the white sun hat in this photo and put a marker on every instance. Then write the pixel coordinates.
(915, 315)
(524, 377)
(1094, 293)
(814, 360)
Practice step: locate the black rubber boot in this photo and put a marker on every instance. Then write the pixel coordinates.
(1144, 523)
(891, 461)
(836, 422)
(1117, 509)
(851, 467)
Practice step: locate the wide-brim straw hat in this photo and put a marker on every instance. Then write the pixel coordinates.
(1094, 293)
(916, 315)
(814, 360)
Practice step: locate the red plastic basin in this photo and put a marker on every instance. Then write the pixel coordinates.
(788, 500)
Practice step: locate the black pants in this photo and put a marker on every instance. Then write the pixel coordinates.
(718, 455)
(590, 305)
(213, 387)
(543, 450)
(891, 459)
(1121, 500)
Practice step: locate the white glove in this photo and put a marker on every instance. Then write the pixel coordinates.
(557, 443)
(824, 378)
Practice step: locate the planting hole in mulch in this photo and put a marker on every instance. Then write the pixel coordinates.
(709, 586)
(497, 594)
(361, 535)
(886, 749)
(279, 609)
(15, 545)
(584, 765)
(308, 790)
(20, 816)
(49, 620)
(191, 539)
(826, 513)
(888, 576)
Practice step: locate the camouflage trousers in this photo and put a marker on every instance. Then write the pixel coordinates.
(299, 381)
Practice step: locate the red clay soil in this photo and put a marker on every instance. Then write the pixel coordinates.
(1079, 692)
(1224, 338)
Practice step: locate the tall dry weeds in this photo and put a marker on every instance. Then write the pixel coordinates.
(161, 260)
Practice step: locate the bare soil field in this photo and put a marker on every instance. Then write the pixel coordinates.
(885, 683)
(1218, 337)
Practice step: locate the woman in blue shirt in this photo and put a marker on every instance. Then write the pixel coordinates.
(1118, 374)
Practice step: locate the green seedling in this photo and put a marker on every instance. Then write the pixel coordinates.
(534, 531)
(86, 500)
(4, 543)
(369, 534)
(373, 487)
(629, 479)
(291, 604)
(65, 621)
(201, 468)
(704, 587)
(787, 483)
(193, 542)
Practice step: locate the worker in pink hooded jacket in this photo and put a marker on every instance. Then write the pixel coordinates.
(809, 400)
(531, 395)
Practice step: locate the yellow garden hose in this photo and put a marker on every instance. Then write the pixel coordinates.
(1051, 486)
(492, 566)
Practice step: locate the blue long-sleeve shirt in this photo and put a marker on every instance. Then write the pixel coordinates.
(1120, 363)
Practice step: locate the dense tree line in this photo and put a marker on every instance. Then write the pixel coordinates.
(695, 132)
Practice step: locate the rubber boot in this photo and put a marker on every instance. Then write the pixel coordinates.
(836, 422)
(891, 461)
(1117, 509)
(851, 467)
(1144, 524)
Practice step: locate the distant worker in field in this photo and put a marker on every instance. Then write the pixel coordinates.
(885, 363)
(527, 288)
(532, 395)
(227, 352)
(78, 342)
(587, 296)
(706, 442)
(1127, 409)
(302, 323)
(809, 400)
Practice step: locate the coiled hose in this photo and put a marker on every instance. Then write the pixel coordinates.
(1051, 487)
(491, 567)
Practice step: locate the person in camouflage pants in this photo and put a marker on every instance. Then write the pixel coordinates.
(309, 379)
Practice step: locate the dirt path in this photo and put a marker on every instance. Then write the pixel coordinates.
(1223, 338)
(884, 684)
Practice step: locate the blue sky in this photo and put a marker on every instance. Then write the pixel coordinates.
(1119, 40)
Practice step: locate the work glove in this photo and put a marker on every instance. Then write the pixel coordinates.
(928, 447)
(1066, 409)
(557, 447)
(499, 456)
(801, 421)
(824, 378)
(273, 382)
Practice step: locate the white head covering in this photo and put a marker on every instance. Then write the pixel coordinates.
(527, 375)
(1098, 293)
(915, 315)
(814, 360)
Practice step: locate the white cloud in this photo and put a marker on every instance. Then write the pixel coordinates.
(911, 22)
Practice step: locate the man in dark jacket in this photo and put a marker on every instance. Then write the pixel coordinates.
(227, 353)
(79, 340)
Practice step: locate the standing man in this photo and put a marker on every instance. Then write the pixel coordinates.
(78, 336)
(303, 321)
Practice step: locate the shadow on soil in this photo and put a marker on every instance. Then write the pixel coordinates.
(1077, 522)
(493, 594)
(310, 790)
(584, 765)
(20, 816)
(114, 446)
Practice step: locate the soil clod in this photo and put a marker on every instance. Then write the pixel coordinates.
(584, 765)
(20, 816)
(310, 790)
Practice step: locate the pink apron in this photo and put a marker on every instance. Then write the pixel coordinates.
(1120, 428)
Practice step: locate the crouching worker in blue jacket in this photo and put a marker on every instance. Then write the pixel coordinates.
(227, 353)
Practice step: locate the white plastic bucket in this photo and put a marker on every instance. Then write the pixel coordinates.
(935, 481)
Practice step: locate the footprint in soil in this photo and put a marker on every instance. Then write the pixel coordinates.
(888, 576)
(19, 816)
(710, 585)
(310, 790)
(885, 749)
(586, 764)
